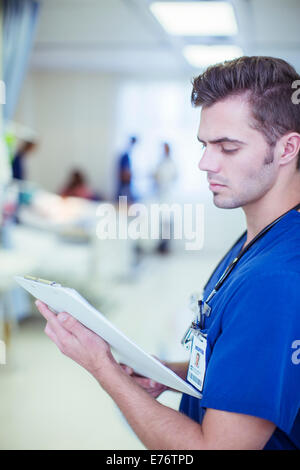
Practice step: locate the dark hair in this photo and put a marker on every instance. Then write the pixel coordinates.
(267, 81)
(76, 178)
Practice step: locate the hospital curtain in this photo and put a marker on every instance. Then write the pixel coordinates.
(19, 24)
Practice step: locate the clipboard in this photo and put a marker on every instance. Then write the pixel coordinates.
(65, 299)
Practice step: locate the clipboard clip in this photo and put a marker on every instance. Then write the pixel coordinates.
(41, 281)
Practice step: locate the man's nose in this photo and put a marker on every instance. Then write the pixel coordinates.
(209, 161)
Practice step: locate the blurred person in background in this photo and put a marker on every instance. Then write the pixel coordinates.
(125, 172)
(18, 166)
(165, 174)
(164, 178)
(19, 174)
(77, 186)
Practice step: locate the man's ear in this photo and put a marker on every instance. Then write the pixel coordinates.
(288, 147)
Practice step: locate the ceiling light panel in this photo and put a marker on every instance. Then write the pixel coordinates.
(196, 18)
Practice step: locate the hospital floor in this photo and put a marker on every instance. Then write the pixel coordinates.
(49, 402)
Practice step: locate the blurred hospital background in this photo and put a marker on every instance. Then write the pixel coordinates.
(95, 103)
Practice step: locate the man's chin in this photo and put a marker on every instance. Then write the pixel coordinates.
(223, 203)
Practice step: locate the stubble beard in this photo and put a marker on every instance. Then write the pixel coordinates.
(255, 186)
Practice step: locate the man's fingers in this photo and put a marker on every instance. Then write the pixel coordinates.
(61, 333)
(73, 326)
(127, 369)
(50, 333)
(44, 310)
(145, 383)
(62, 322)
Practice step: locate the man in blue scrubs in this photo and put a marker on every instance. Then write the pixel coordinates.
(250, 136)
(125, 172)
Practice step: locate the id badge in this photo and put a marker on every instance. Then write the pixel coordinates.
(197, 365)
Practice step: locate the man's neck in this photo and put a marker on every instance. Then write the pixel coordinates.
(261, 213)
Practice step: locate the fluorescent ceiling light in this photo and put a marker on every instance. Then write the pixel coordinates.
(203, 56)
(196, 18)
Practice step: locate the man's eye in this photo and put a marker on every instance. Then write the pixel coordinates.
(229, 150)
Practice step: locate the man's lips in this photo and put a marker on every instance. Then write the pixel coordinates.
(215, 185)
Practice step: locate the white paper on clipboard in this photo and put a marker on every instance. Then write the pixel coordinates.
(65, 299)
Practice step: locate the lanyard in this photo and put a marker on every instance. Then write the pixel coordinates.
(204, 308)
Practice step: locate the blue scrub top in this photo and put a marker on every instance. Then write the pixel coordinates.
(253, 333)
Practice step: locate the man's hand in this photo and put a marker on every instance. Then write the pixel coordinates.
(155, 388)
(76, 341)
(150, 386)
(88, 349)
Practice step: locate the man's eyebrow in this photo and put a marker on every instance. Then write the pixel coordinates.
(221, 140)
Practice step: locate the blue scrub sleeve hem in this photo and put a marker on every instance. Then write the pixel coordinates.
(219, 403)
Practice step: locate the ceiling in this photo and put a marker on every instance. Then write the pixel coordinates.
(123, 36)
